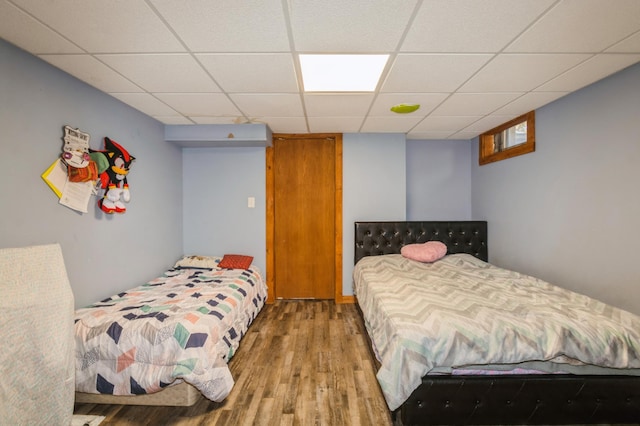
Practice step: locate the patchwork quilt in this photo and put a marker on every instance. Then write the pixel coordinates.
(183, 326)
(460, 312)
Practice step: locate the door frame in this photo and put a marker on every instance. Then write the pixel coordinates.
(270, 219)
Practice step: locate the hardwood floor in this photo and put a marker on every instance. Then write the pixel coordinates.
(300, 363)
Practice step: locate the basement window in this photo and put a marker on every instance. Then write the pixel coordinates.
(513, 138)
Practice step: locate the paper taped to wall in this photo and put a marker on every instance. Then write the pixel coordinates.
(56, 176)
(76, 195)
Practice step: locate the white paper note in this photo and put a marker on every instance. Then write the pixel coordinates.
(76, 195)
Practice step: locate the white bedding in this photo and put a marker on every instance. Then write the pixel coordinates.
(183, 326)
(462, 313)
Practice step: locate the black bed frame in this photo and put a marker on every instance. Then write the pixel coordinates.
(513, 399)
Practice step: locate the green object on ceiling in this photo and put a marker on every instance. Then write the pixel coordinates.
(405, 108)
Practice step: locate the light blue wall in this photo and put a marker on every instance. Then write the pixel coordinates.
(438, 180)
(218, 181)
(216, 185)
(103, 254)
(571, 206)
(374, 187)
(568, 213)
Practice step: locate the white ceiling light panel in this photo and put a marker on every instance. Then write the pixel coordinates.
(341, 73)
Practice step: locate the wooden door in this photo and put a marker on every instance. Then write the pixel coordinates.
(306, 215)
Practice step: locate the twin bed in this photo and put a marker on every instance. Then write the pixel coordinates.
(169, 340)
(460, 341)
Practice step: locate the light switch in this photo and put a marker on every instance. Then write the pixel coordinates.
(251, 202)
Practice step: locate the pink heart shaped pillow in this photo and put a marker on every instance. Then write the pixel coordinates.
(424, 252)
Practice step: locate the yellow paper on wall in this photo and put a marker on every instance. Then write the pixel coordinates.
(56, 176)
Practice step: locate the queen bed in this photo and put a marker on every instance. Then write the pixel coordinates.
(460, 341)
(169, 340)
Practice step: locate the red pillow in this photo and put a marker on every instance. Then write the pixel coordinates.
(235, 261)
(425, 252)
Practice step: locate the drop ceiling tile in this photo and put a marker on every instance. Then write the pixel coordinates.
(431, 73)
(580, 26)
(528, 102)
(435, 135)
(594, 69)
(390, 124)
(473, 103)
(145, 103)
(172, 119)
(335, 105)
(93, 72)
(24, 31)
(427, 101)
(335, 124)
(171, 73)
(216, 120)
(329, 26)
(127, 48)
(286, 124)
(628, 45)
(227, 25)
(99, 26)
(200, 104)
(252, 73)
(463, 135)
(269, 105)
(487, 123)
(463, 26)
(520, 73)
(444, 124)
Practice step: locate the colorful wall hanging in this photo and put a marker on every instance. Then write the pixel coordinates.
(81, 172)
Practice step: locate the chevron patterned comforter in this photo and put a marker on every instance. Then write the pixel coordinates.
(183, 326)
(461, 311)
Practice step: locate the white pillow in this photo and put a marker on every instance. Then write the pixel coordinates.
(208, 262)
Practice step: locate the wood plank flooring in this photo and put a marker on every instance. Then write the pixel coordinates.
(301, 363)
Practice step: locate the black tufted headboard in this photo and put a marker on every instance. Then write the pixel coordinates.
(376, 238)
